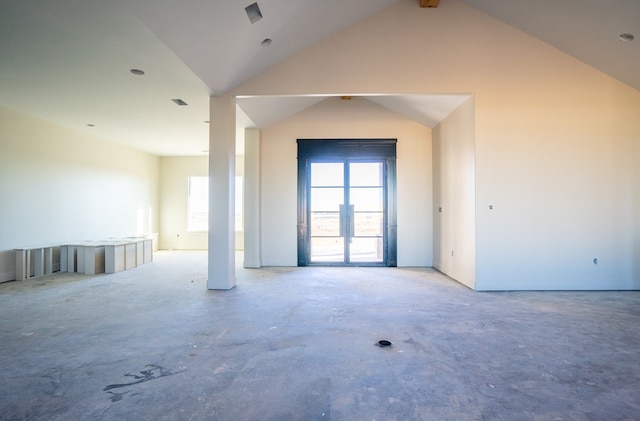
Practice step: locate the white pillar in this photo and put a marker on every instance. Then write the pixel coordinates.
(222, 175)
(252, 198)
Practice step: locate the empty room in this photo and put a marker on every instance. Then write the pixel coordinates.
(347, 209)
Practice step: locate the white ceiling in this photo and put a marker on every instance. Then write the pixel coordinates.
(68, 61)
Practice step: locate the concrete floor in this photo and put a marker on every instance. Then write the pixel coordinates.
(300, 344)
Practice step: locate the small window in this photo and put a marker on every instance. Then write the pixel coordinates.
(198, 207)
(239, 201)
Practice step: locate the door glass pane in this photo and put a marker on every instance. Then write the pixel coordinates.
(327, 194)
(327, 249)
(326, 199)
(362, 220)
(365, 174)
(327, 174)
(366, 199)
(366, 250)
(368, 224)
(325, 224)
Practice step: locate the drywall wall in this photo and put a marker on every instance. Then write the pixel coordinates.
(174, 191)
(559, 171)
(58, 185)
(556, 140)
(635, 207)
(454, 195)
(336, 118)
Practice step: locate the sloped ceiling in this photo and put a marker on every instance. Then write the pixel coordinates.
(586, 29)
(69, 61)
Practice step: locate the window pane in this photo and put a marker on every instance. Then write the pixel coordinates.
(198, 204)
(327, 174)
(366, 199)
(239, 202)
(366, 250)
(326, 199)
(325, 249)
(365, 174)
(325, 224)
(368, 224)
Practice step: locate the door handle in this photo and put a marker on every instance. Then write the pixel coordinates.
(343, 221)
(351, 222)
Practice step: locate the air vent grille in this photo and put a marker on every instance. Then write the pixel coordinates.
(253, 12)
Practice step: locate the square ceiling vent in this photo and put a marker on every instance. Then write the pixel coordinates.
(253, 12)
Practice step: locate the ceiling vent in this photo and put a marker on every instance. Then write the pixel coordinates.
(180, 102)
(253, 12)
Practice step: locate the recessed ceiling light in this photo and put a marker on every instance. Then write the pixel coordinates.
(266, 42)
(137, 72)
(626, 37)
(180, 102)
(206, 121)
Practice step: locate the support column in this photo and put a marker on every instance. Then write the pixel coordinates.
(252, 198)
(222, 175)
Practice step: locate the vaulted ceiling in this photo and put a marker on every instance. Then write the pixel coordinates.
(69, 61)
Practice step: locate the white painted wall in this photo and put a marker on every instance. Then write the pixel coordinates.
(559, 170)
(251, 199)
(635, 207)
(174, 190)
(454, 195)
(556, 140)
(58, 185)
(335, 118)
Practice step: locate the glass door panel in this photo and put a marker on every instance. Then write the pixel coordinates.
(368, 224)
(366, 174)
(347, 202)
(366, 250)
(327, 249)
(327, 174)
(326, 217)
(326, 199)
(367, 199)
(347, 212)
(366, 194)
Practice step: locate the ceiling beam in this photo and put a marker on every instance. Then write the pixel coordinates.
(429, 3)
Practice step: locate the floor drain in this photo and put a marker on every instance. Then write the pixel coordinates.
(384, 343)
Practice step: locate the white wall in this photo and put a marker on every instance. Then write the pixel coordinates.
(635, 207)
(556, 140)
(335, 118)
(559, 170)
(454, 195)
(58, 185)
(174, 190)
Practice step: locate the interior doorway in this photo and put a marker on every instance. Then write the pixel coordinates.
(347, 202)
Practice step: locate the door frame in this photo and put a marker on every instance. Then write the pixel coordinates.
(332, 150)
